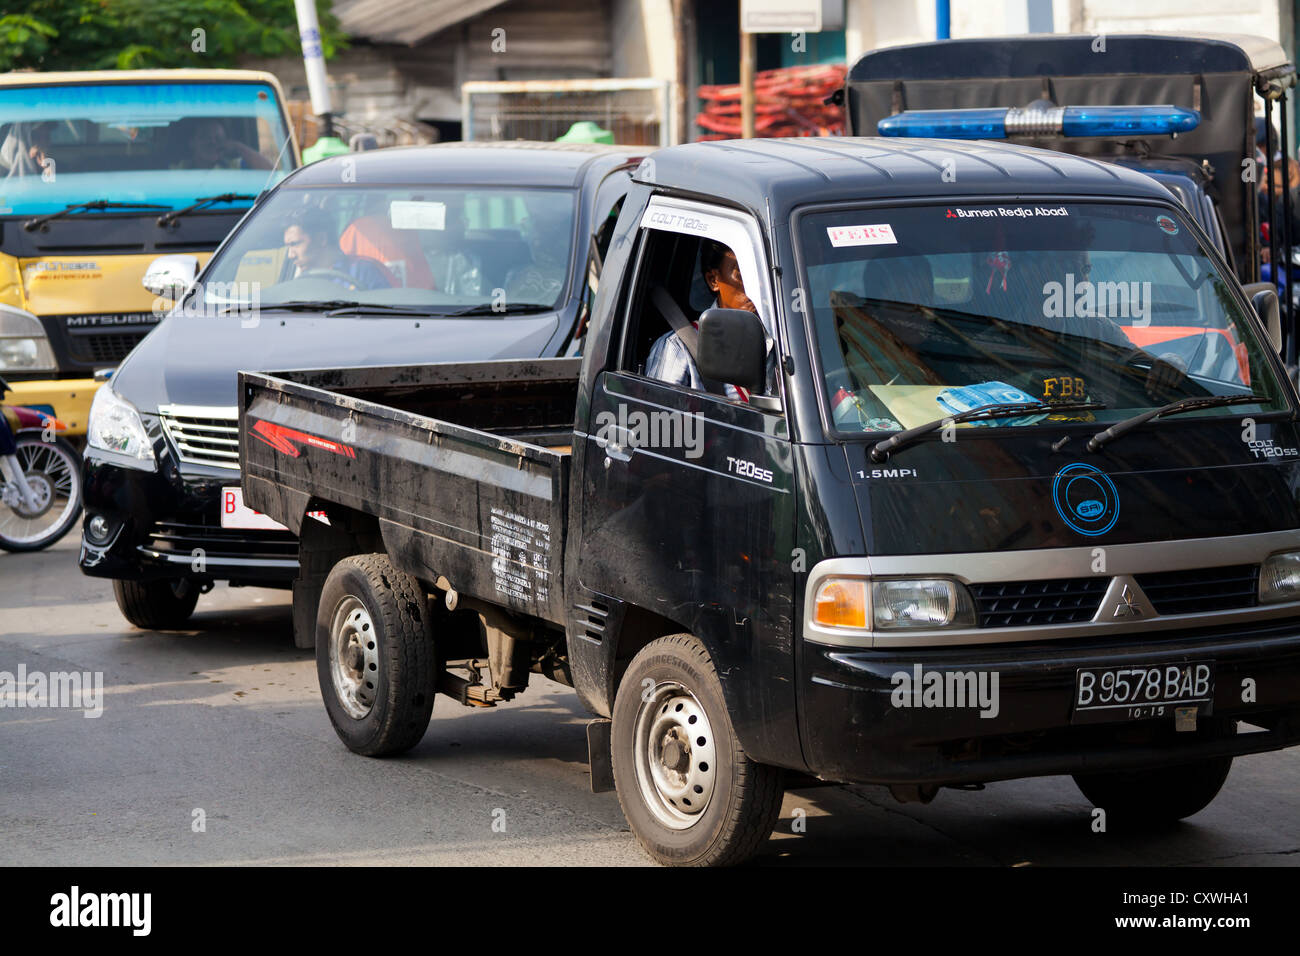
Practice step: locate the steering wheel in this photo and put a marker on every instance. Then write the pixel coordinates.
(333, 274)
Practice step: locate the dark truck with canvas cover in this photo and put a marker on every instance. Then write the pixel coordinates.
(1180, 108)
(921, 514)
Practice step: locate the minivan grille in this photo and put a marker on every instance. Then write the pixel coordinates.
(202, 435)
(1035, 603)
(1202, 590)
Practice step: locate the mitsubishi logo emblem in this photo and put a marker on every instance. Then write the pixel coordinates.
(1126, 606)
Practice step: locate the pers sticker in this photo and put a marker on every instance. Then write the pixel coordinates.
(874, 235)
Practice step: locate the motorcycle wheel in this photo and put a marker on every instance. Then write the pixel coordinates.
(53, 471)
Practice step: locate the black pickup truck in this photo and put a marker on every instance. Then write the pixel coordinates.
(917, 512)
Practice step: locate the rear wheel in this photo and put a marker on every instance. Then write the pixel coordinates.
(375, 656)
(689, 792)
(1160, 796)
(157, 605)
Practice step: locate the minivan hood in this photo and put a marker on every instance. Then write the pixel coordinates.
(193, 360)
(1008, 492)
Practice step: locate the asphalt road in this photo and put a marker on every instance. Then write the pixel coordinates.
(222, 725)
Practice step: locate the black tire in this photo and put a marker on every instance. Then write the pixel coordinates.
(1161, 796)
(63, 456)
(744, 798)
(157, 605)
(382, 699)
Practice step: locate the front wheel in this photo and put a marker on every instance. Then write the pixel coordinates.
(375, 656)
(157, 605)
(52, 502)
(1161, 796)
(689, 792)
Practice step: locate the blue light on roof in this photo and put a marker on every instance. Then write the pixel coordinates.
(1128, 120)
(1069, 121)
(946, 124)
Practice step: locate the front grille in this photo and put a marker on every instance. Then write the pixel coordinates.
(1035, 603)
(202, 435)
(107, 348)
(1202, 590)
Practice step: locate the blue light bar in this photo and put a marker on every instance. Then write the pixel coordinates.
(946, 124)
(1128, 120)
(1068, 121)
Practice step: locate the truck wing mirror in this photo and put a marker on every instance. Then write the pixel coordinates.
(170, 276)
(733, 348)
(1266, 307)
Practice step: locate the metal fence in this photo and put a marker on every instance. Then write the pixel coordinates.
(636, 111)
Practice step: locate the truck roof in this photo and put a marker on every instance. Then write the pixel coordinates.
(772, 176)
(67, 77)
(1053, 54)
(519, 161)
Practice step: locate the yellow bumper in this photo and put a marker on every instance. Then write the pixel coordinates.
(69, 397)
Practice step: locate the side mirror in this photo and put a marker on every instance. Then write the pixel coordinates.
(733, 348)
(1266, 307)
(170, 276)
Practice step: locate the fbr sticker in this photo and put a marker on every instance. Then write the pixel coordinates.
(874, 235)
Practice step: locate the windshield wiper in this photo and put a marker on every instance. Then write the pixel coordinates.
(329, 307)
(523, 308)
(169, 218)
(96, 206)
(880, 450)
(1173, 408)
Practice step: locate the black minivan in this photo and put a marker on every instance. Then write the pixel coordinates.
(437, 253)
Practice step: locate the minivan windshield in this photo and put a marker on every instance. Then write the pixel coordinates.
(924, 311)
(486, 250)
(168, 144)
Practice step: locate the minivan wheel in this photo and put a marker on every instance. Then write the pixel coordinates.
(1160, 796)
(375, 656)
(156, 605)
(689, 792)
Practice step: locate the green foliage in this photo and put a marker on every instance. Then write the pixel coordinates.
(149, 34)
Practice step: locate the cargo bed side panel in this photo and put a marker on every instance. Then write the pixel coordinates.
(483, 511)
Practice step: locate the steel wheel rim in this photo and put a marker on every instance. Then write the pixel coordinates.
(675, 755)
(56, 479)
(354, 657)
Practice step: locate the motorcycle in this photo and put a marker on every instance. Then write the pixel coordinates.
(40, 478)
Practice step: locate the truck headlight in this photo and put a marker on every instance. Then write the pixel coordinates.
(23, 344)
(1279, 578)
(890, 605)
(115, 426)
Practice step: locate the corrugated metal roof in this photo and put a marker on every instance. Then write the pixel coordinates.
(405, 22)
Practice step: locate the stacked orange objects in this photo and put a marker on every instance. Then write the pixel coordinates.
(790, 101)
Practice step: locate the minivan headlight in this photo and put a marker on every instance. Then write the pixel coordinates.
(115, 426)
(1279, 578)
(893, 604)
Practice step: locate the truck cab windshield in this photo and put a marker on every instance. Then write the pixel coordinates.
(924, 311)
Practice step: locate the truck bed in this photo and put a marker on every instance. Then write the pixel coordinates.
(465, 465)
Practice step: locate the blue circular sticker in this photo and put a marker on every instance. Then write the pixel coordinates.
(1167, 225)
(1085, 498)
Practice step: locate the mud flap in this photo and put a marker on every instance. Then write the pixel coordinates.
(598, 755)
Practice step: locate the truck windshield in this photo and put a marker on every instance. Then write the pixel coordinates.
(923, 311)
(470, 250)
(164, 143)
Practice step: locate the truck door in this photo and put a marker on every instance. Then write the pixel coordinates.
(689, 502)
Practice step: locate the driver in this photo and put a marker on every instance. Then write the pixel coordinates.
(313, 249)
